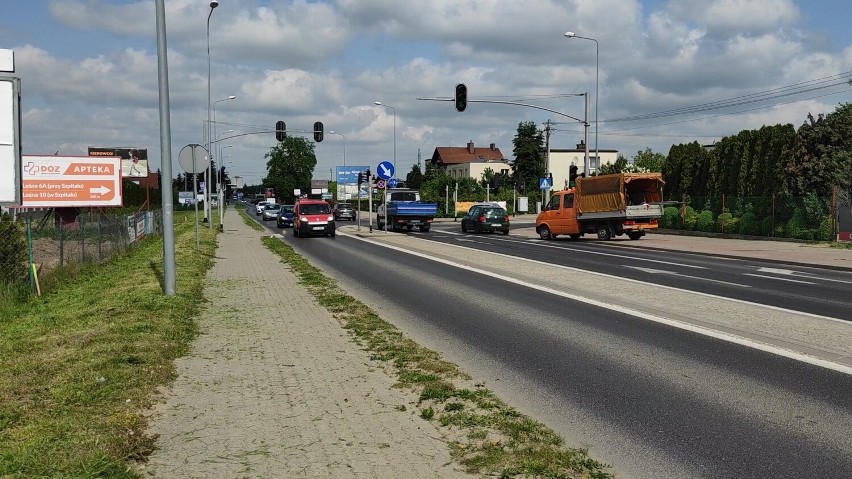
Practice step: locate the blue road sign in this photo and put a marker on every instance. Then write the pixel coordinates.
(385, 170)
(544, 183)
(392, 183)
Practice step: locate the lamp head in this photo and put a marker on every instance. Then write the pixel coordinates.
(214, 4)
(232, 97)
(570, 34)
(378, 103)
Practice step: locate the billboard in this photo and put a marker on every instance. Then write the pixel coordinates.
(78, 181)
(348, 175)
(10, 140)
(134, 161)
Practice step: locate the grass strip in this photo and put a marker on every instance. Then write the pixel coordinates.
(82, 364)
(489, 437)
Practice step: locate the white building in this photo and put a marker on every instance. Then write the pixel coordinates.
(561, 160)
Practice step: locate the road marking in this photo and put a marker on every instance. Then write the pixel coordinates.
(672, 273)
(790, 272)
(640, 314)
(536, 244)
(777, 278)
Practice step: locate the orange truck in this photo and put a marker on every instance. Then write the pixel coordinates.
(606, 205)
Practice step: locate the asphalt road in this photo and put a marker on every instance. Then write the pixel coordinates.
(651, 400)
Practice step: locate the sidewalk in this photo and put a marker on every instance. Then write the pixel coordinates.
(268, 393)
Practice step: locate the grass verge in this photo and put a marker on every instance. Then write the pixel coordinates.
(489, 437)
(81, 364)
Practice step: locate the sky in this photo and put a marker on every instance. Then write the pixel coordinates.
(663, 72)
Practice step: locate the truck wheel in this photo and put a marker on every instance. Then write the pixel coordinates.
(544, 233)
(603, 232)
(634, 235)
(410, 227)
(424, 229)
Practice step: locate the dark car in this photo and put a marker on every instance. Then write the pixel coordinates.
(486, 217)
(312, 217)
(285, 216)
(344, 211)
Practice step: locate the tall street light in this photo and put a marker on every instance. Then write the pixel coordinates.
(344, 144)
(394, 132)
(597, 71)
(213, 5)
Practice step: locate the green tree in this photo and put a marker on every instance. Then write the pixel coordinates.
(529, 156)
(821, 155)
(290, 166)
(414, 178)
(648, 160)
(619, 166)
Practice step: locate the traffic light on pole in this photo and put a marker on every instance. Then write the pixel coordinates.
(461, 97)
(572, 176)
(280, 130)
(318, 131)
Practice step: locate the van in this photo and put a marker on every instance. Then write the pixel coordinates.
(312, 217)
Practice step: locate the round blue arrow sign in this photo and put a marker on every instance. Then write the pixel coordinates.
(385, 170)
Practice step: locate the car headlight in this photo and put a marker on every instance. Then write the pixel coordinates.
(302, 218)
(330, 218)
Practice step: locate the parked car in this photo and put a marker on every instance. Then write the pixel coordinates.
(486, 217)
(312, 217)
(270, 212)
(344, 211)
(285, 216)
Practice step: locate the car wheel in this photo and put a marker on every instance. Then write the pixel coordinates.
(603, 232)
(575, 236)
(464, 227)
(544, 233)
(505, 232)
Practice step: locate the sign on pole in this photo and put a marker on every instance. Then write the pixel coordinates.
(385, 170)
(77, 181)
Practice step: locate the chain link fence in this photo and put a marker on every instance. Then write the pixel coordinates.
(35, 244)
(810, 218)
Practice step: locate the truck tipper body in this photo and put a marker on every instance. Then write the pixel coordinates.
(402, 208)
(607, 206)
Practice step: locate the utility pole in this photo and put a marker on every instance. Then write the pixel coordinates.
(548, 124)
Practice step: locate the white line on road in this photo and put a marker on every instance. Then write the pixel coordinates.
(672, 273)
(640, 314)
(776, 278)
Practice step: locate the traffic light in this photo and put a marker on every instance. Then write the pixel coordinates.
(461, 97)
(572, 176)
(280, 130)
(318, 131)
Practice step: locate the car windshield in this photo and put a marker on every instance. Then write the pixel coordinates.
(492, 212)
(314, 209)
(344, 206)
(287, 209)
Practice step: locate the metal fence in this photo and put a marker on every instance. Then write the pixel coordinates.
(810, 217)
(47, 241)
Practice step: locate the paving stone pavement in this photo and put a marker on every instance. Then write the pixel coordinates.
(274, 387)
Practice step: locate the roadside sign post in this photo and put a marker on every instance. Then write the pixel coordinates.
(190, 161)
(385, 171)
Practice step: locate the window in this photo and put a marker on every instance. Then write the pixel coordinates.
(553, 204)
(569, 201)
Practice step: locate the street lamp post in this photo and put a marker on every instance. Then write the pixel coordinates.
(597, 71)
(344, 144)
(394, 132)
(213, 5)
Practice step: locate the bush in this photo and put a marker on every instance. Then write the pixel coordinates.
(726, 223)
(705, 222)
(748, 225)
(13, 251)
(671, 217)
(825, 232)
(689, 219)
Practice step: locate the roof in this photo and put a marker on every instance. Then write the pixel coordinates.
(454, 155)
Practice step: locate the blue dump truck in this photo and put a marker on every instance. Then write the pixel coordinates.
(402, 208)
